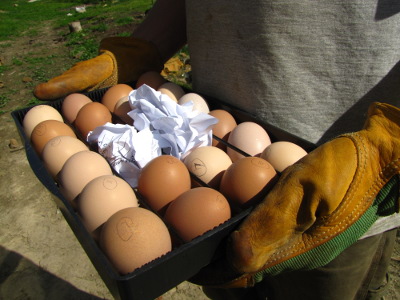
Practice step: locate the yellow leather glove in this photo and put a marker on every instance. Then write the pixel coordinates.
(120, 60)
(319, 206)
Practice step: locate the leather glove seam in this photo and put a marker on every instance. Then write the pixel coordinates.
(364, 202)
(113, 78)
(321, 236)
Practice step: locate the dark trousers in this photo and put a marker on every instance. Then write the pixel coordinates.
(359, 272)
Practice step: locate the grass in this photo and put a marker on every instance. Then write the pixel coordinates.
(21, 19)
(23, 16)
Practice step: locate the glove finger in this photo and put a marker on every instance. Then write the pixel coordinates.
(81, 77)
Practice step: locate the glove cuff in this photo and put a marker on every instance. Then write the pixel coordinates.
(132, 57)
(112, 79)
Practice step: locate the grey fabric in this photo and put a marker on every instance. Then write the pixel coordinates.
(311, 68)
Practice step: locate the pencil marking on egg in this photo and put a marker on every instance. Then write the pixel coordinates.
(124, 229)
(260, 163)
(110, 183)
(41, 129)
(198, 167)
(55, 141)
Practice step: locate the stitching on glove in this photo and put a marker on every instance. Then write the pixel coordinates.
(321, 236)
(391, 169)
(112, 79)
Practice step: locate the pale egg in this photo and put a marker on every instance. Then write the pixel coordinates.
(208, 163)
(37, 114)
(58, 150)
(250, 138)
(79, 170)
(172, 90)
(283, 154)
(72, 104)
(101, 198)
(199, 103)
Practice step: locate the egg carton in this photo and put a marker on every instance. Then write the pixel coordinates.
(186, 259)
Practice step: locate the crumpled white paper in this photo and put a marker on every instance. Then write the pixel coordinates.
(160, 126)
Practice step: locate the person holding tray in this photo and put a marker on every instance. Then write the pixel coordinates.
(326, 71)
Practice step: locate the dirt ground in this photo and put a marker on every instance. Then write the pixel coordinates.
(40, 258)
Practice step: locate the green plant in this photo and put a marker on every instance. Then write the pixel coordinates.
(99, 27)
(125, 21)
(33, 101)
(39, 74)
(4, 68)
(16, 61)
(82, 45)
(124, 34)
(3, 102)
(26, 17)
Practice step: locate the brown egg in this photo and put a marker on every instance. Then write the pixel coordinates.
(226, 123)
(90, 116)
(58, 150)
(197, 211)
(199, 103)
(247, 181)
(133, 237)
(172, 90)
(102, 197)
(249, 137)
(37, 114)
(72, 104)
(162, 180)
(79, 170)
(282, 154)
(208, 163)
(46, 130)
(114, 94)
(152, 79)
(121, 109)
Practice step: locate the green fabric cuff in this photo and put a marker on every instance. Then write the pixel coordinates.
(385, 204)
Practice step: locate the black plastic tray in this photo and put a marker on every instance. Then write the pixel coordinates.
(166, 272)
